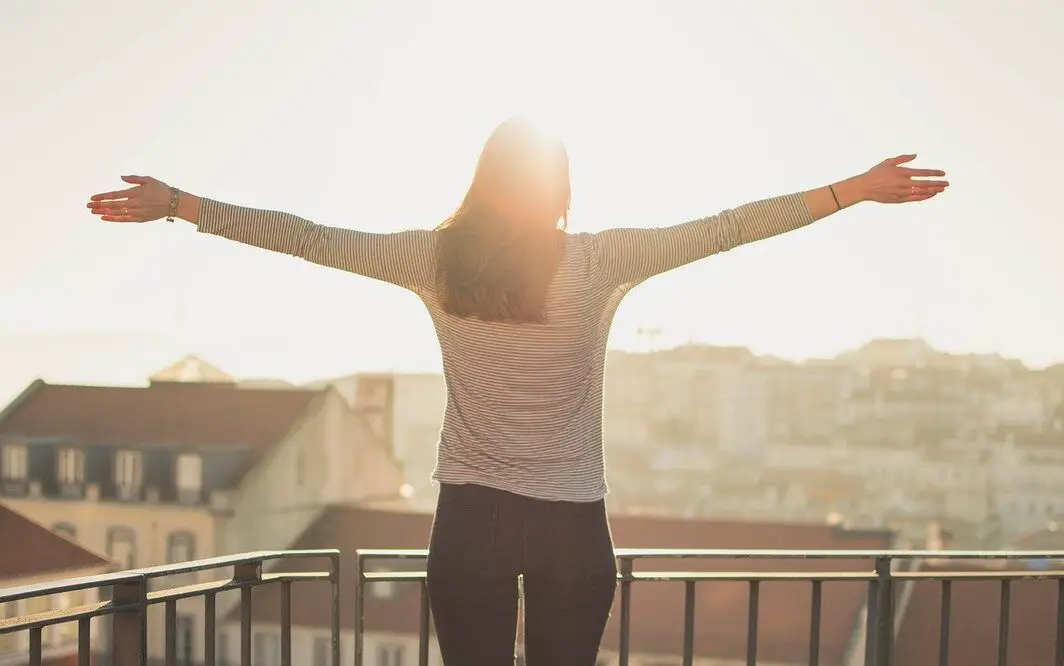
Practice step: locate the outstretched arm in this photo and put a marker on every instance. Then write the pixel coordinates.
(629, 256)
(406, 258)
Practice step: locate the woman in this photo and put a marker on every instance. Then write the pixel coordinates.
(522, 311)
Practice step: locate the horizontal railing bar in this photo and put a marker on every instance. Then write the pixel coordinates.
(67, 585)
(665, 553)
(62, 616)
(748, 576)
(1011, 574)
(140, 575)
(230, 561)
(216, 586)
(751, 576)
(697, 553)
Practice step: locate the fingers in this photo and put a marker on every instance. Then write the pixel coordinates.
(940, 184)
(900, 159)
(913, 173)
(138, 180)
(116, 211)
(117, 194)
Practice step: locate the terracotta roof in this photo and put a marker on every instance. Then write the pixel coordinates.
(657, 609)
(39, 551)
(189, 414)
(974, 622)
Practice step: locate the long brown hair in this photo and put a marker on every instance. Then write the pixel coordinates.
(499, 251)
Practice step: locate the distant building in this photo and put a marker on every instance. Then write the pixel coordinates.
(179, 470)
(33, 554)
(409, 408)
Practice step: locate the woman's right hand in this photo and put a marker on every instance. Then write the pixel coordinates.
(890, 182)
(147, 200)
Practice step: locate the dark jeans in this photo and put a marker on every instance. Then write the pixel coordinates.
(481, 540)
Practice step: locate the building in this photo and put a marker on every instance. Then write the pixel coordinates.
(33, 554)
(178, 470)
(411, 407)
(392, 608)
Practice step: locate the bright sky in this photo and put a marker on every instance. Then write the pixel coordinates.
(371, 114)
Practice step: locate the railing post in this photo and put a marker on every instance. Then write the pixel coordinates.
(334, 624)
(129, 628)
(626, 610)
(884, 633)
(246, 573)
(360, 606)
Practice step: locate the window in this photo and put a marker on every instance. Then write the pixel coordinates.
(390, 655)
(186, 625)
(180, 547)
(66, 529)
(322, 652)
(71, 467)
(122, 546)
(267, 649)
(189, 472)
(14, 462)
(127, 473)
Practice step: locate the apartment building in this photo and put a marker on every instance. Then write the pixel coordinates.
(32, 554)
(179, 470)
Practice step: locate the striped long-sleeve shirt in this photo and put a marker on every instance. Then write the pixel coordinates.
(524, 402)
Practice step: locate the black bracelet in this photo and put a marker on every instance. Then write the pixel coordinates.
(835, 196)
(175, 194)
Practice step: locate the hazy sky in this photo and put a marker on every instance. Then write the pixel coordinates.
(370, 115)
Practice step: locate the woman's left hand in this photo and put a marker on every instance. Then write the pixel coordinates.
(147, 200)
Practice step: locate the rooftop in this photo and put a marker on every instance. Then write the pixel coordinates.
(190, 414)
(39, 551)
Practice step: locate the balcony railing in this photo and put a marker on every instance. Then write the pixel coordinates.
(890, 569)
(130, 594)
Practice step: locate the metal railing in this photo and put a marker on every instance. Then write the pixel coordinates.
(890, 569)
(131, 597)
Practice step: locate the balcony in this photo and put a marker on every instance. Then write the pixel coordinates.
(891, 584)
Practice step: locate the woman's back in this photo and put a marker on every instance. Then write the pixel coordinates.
(524, 401)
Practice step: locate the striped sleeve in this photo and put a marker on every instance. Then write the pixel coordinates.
(405, 258)
(629, 256)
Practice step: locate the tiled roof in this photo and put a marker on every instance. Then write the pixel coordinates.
(657, 609)
(39, 550)
(188, 414)
(974, 606)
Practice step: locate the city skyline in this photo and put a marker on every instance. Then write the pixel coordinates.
(354, 124)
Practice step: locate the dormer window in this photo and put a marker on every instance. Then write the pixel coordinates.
(128, 474)
(14, 462)
(189, 477)
(71, 467)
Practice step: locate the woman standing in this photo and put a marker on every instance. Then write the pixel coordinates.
(522, 310)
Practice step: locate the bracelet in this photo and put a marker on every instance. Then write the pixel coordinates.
(175, 195)
(835, 196)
